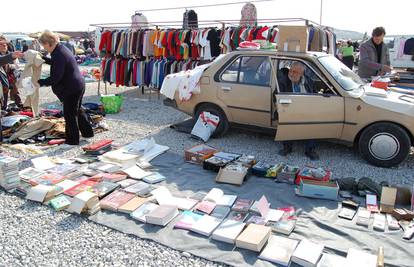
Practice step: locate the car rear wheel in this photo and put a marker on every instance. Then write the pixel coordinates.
(384, 144)
(223, 125)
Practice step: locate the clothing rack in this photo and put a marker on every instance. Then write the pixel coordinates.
(173, 24)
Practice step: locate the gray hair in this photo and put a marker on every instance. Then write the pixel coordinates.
(48, 37)
(298, 64)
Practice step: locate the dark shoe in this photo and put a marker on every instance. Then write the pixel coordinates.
(286, 150)
(312, 154)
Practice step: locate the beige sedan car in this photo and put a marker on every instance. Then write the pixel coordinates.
(252, 88)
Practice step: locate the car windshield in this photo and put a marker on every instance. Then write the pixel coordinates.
(341, 73)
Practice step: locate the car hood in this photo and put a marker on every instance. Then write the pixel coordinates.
(390, 100)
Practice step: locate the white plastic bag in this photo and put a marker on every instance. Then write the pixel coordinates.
(28, 87)
(205, 126)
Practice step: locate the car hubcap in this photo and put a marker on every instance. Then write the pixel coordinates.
(384, 146)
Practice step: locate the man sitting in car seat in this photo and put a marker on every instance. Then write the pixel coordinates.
(293, 80)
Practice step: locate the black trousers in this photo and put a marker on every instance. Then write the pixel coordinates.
(348, 61)
(75, 119)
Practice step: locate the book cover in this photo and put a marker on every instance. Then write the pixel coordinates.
(140, 213)
(47, 179)
(206, 225)
(256, 219)
(67, 184)
(162, 215)
(227, 200)
(214, 195)
(242, 205)
(116, 199)
(60, 203)
(329, 260)
(133, 204)
(127, 182)
(253, 237)
(220, 212)
(187, 220)
(154, 178)
(360, 258)
(83, 186)
(206, 206)
(140, 188)
(279, 250)
(136, 172)
(30, 173)
(64, 169)
(308, 253)
(238, 216)
(228, 231)
(104, 188)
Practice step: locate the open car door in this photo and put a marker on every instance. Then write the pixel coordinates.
(313, 115)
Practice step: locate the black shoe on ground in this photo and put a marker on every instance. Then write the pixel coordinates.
(312, 155)
(286, 150)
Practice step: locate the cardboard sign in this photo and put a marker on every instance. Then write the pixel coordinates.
(388, 197)
(263, 206)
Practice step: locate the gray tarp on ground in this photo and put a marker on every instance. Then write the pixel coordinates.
(317, 219)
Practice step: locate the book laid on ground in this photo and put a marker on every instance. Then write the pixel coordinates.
(187, 220)
(279, 250)
(30, 173)
(227, 200)
(329, 260)
(254, 208)
(238, 215)
(379, 222)
(142, 189)
(254, 237)
(220, 212)
(136, 172)
(206, 225)
(371, 202)
(47, 179)
(363, 217)
(360, 258)
(67, 184)
(43, 163)
(287, 223)
(42, 193)
(154, 178)
(256, 219)
(127, 182)
(206, 207)
(164, 197)
(115, 200)
(228, 231)
(110, 177)
(214, 195)
(60, 203)
(392, 223)
(104, 188)
(83, 186)
(307, 253)
(85, 201)
(132, 205)
(242, 205)
(162, 215)
(388, 197)
(141, 213)
(64, 169)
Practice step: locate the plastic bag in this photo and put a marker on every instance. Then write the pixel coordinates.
(28, 87)
(205, 126)
(112, 103)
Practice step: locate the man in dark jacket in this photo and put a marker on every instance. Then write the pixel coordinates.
(68, 85)
(374, 57)
(293, 80)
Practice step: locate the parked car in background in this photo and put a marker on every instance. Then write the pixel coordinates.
(243, 89)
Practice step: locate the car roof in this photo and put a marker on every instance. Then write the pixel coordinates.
(272, 52)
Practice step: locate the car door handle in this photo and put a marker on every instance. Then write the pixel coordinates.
(285, 101)
(226, 88)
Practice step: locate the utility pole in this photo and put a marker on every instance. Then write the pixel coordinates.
(320, 13)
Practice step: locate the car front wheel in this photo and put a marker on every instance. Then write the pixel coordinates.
(384, 144)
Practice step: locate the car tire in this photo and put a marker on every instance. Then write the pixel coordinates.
(384, 144)
(223, 125)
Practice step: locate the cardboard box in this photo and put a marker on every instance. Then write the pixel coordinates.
(293, 39)
(197, 154)
(318, 189)
(388, 197)
(310, 173)
(232, 174)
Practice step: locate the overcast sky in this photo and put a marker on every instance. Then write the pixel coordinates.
(358, 15)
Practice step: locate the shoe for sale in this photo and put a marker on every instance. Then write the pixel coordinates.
(312, 155)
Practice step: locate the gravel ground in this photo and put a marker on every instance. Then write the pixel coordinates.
(34, 235)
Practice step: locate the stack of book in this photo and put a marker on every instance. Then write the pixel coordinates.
(308, 253)
(115, 200)
(60, 203)
(279, 250)
(9, 172)
(162, 215)
(85, 202)
(98, 148)
(43, 193)
(254, 237)
(30, 173)
(228, 231)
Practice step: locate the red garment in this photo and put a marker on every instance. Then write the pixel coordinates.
(260, 32)
(250, 36)
(26, 113)
(106, 42)
(194, 48)
(170, 43)
(177, 46)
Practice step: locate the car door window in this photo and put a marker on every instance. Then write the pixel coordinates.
(294, 76)
(253, 70)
